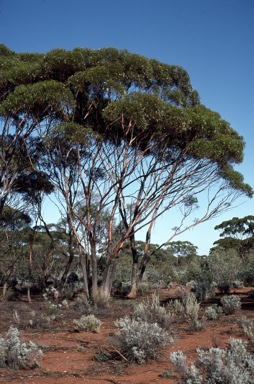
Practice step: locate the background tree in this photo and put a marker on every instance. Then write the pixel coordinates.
(237, 234)
(30, 256)
(225, 268)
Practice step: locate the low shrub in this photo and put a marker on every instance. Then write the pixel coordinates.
(230, 304)
(247, 326)
(152, 312)
(187, 308)
(213, 312)
(88, 323)
(224, 287)
(139, 340)
(51, 309)
(17, 355)
(233, 365)
(51, 294)
(143, 289)
(238, 284)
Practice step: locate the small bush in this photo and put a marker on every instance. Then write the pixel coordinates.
(10, 294)
(233, 365)
(143, 289)
(213, 312)
(238, 284)
(187, 307)
(51, 309)
(101, 299)
(203, 288)
(247, 326)
(17, 355)
(88, 323)
(167, 374)
(224, 287)
(51, 294)
(230, 304)
(139, 340)
(152, 312)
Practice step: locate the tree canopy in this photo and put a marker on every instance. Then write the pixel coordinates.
(238, 234)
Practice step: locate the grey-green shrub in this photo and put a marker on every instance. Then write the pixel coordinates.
(238, 284)
(139, 340)
(187, 307)
(88, 323)
(213, 312)
(247, 326)
(230, 304)
(17, 355)
(233, 365)
(152, 312)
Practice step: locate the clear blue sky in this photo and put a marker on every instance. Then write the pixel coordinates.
(212, 39)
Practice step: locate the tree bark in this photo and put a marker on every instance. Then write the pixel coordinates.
(94, 290)
(134, 285)
(69, 263)
(83, 264)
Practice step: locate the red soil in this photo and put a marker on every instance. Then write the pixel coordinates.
(69, 356)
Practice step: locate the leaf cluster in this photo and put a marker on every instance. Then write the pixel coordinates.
(121, 97)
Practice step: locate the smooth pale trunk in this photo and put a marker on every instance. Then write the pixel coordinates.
(105, 289)
(84, 273)
(134, 286)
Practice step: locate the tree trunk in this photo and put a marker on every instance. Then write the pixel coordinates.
(29, 294)
(145, 261)
(94, 290)
(146, 258)
(113, 272)
(4, 290)
(134, 285)
(105, 289)
(84, 272)
(69, 263)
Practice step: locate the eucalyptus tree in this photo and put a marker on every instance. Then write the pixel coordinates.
(137, 135)
(20, 181)
(237, 234)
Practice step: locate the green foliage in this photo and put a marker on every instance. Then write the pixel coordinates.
(225, 267)
(54, 82)
(247, 271)
(237, 227)
(237, 234)
(14, 219)
(38, 100)
(200, 277)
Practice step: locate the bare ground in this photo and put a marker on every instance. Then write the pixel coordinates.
(72, 358)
